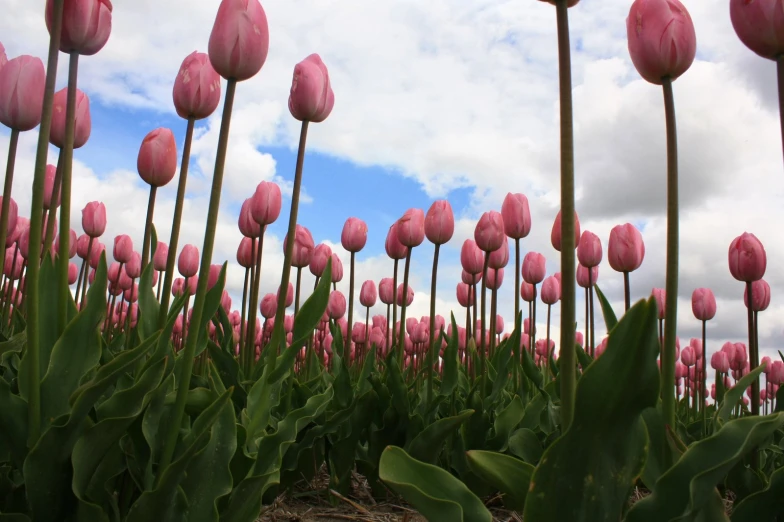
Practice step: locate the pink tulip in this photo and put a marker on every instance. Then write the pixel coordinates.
(49, 176)
(321, 254)
(703, 304)
(534, 268)
(394, 248)
(266, 202)
(123, 248)
(213, 276)
(354, 235)
(161, 257)
(760, 291)
(500, 257)
(747, 258)
(582, 276)
(386, 290)
(409, 295)
(368, 294)
(776, 375)
(3, 57)
(311, 97)
(82, 122)
(464, 295)
(303, 249)
(555, 233)
(94, 219)
(760, 26)
(495, 278)
(268, 306)
(720, 362)
(157, 160)
(336, 306)
(197, 89)
(411, 228)
(470, 279)
(578, 338)
(245, 253)
(439, 222)
(766, 363)
(81, 246)
(471, 257)
(73, 273)
(516, 216)
(626, 249)
(527, 292)
(589, 250)
(13, 214)
(551, 291)
(95, 256)
(377, 338)
(188, 262)
(687, 356)
(489, 232)
(86, 25)
(289, 295)
(239, 40)
(133, 268)
(247, 225)
(22, 93)
(72, 245)
(661, 37)
(661, 300)
(337, 269)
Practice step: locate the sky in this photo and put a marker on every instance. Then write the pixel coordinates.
(442, 99)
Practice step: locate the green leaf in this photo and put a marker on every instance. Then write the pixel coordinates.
(13, 423)
(505, 423)
(507, 474)
(75, 353)
(435, 493)
(595, 463)
(451, 362)
(368, 367)
(47, 469)
(427, 445)
(765, 505)
(656, 463)
(583, 358)
(149, 308)
(687, 487)
(14, 344)
(609, 316)
(525, 444)
(211, 304)
(733, 396)
(245, 501)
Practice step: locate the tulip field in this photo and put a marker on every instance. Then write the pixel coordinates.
(132, 388)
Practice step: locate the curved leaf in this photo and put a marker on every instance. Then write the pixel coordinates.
(525, 444)
(686, 488)
(765, 505)
(426, 446)
(733, 396)
(610, 319)
(505, 422)
(451, 362)
(595, 463)
(435, 493)
(509, 475)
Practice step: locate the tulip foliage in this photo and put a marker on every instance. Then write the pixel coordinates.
(119, 405)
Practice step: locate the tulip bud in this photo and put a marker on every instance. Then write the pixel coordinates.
(386, 290)
(269, 306)
(304, 246)
(464, 295)
(197, 89)
(336, 306)
(500, 257)
(123, 248)
(86, 25)
(94, 219)
(411, 228)
(662, 41)
(555, 233)
(22, 93)
(583, 275)
(534, 268)
(289, 295)
(311, 97)
(439, 222)
(626, 249)
(134, 267)
(161, 257)
(265, 203)
(82, 122)
(157, 159)
(409, 295)
(760, 295)
(337, 269)
(747, 258)
(489, 232)
(213, 276)
(239, 40)
(13, 215)
(720, 362)
(51, 172)
(495, 278)
(354, 235)
(368, 295)
(528, 293)
(661, 300)
(516, 216)
(551, 291)
(321, 254)
(471, 279)
(188, 262)
(703, 304)
(471, 257)
(589, 250)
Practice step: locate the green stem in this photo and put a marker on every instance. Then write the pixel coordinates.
(242, 350)
(431, 347)
(591, 302)
(175, 232)
(80, 298)
(753, 354)
(277, 329)
(671, 286)
(9, 180)
(627, 297)
(148, 225)
(183, 377)
(567, 350)
(703, 379)
(402, 336)
(64, 294)
(36, 212)
(51, 214)
(350, 325)
(254, 302)
(296, 291)
(394, 307)
(482, 348)
(547, 361)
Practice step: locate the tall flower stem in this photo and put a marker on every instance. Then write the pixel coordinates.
(350, 325)
(753, 353)
(703, 378)
(51, 213)
(547, 361)
(493, 313)
(482, 348)
(7, 186)
(671, 285)
(591, 300)
(627, 297)
(296, 291)
(587, 339)
(432, 348)
(175, 231)
(148, 225)
(402, 336)
(183, 378)
(394, 306)
(568, 355)
(64, 295)
(280, 313)
(255, 284)
(86, 266)
(32, 283)
(518, 348)
(242, 316)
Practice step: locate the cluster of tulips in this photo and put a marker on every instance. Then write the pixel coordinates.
(132, 390)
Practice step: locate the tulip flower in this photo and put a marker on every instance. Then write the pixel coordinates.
(517, 225)
(410, 233)
(625, 252)
(86, 25)
(353, 239)
(367, 298)
(301, 256)
(311, 97)
(703, 305)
